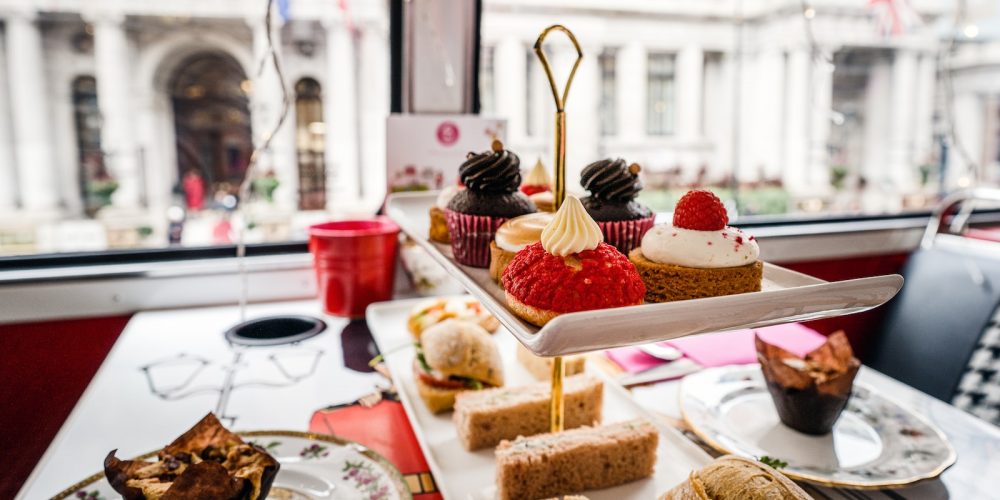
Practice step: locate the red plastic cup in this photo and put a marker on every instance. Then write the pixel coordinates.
(355, 263)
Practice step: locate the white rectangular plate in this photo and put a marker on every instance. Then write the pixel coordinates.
(787, 296)
(471, 475)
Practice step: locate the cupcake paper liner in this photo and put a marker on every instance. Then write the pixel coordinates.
(626, 234)
(471, 236)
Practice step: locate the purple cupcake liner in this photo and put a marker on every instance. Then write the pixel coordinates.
(626, 235)
(471, 236)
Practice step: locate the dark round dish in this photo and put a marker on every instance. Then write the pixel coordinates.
(275, 330)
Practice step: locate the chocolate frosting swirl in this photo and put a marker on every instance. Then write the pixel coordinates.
(495, 171)
(611, 181)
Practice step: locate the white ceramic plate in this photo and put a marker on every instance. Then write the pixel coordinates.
(313, 467)
(787, 296)
(876, 443)
(464, 475)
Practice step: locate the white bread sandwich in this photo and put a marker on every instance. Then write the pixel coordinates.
(586, 458)
(736, 478)
(433, 311)
(452, 357)
(484, 418)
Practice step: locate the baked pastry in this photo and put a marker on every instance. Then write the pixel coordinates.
(810, 393)
(571, 269)
(537, 180)
(439, 222)
(484, 418)
(455, 356)
(490, 198)
(207, 461)
(541, 368)
(433, 311)
(544, 201)
(576, 460)
(512, 236)
(698, 255)
(613, 187)
(736, 478)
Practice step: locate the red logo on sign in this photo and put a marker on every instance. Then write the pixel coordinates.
(447, 133)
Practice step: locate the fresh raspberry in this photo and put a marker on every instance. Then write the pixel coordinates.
(701, 211)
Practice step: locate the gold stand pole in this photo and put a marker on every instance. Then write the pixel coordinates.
(556, 409)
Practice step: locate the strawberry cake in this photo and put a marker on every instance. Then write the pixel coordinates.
(698, 255)
(571, 269)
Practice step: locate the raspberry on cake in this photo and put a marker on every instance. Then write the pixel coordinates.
(698, 255)
(571, 269)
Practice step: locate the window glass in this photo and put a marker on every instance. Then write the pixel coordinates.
(123, 128)
(819, 109)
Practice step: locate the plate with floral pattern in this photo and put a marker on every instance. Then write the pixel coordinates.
(876, 443)
(313, 467)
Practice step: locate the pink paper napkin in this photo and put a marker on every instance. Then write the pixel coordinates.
(726, 348)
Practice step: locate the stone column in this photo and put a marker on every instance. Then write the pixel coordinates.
(795, 162)
(29, 110)
(878, 93)
(766, 121)
(121, 155)
(582, 112)
(904, 77)
(970, 119)
(510, 83)
(265, 111)
(374, 109)
(340, 114)
(690, 70)
(820, 101)
(923, 138)
(630, 90)
(8, 172)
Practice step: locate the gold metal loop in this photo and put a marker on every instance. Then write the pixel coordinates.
(560, 100)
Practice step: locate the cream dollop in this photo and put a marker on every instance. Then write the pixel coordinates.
(571, 231)
(519, 232)
(727, 247)
(445, 196)
(537, 176)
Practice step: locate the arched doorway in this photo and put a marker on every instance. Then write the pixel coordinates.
(211, 122)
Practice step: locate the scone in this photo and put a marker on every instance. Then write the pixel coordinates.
(698, 255)
(571, 269)
(512, 236)
(439, 220)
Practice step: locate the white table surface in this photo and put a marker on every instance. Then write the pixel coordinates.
(118, 409)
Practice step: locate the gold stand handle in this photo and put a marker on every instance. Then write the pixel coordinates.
(557, 409)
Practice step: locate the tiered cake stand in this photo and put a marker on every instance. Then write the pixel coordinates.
(786, 297)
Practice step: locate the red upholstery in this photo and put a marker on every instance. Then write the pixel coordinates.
(44, 370)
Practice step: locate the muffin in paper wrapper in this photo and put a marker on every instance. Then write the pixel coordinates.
(626, 235)
(471, 236)
(811, 392)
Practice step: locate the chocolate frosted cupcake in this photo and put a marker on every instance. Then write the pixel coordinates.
(613, 187)
(491, 197)
(811, 392)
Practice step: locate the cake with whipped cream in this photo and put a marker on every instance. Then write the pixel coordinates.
(512, 236)
(698, 255)
(537, 185)
(439, 221)
(570, 269)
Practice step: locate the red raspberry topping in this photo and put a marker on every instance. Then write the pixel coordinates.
(593, 279)
(701, 211)
(530, 189)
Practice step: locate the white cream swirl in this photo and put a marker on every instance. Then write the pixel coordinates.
(445, 196)
(537, 176)
(571, 231)
(727, 247)
(519, 232)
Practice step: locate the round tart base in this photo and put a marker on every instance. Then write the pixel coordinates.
(533, 315)
(499, 259)
(668, 282)
(439, 226)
